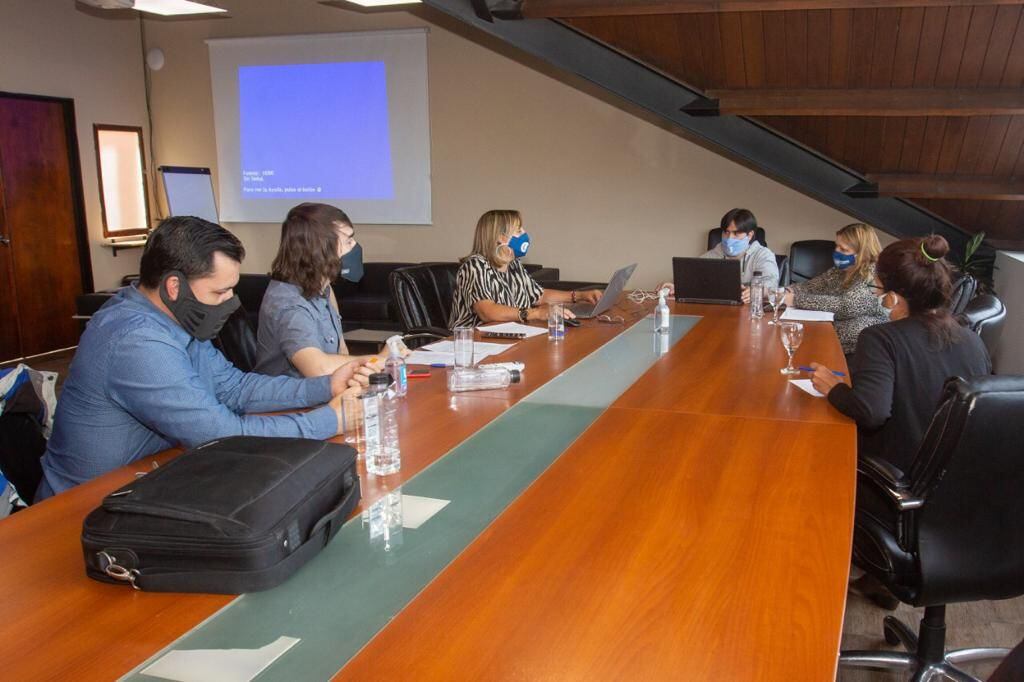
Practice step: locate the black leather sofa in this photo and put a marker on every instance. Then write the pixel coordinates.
(367, 304)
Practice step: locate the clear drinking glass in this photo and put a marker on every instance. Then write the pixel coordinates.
(792, 334)
(463, 346)
(773, 301)
(556, 321)
(780, 299)
(352, 415)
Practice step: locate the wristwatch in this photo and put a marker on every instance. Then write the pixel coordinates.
(523, 314)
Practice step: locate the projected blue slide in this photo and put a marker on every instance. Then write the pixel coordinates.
(315, 131)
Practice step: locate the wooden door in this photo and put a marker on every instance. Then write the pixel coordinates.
(10, 340)
(42, 226)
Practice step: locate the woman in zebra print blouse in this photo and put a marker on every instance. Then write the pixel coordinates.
(493, 286)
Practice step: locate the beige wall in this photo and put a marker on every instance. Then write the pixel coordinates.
(598, 187)
(1009, 280)
(48, 47)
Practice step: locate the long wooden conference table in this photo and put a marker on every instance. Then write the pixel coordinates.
(637, 508)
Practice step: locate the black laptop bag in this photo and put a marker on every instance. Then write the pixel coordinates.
(235, 515)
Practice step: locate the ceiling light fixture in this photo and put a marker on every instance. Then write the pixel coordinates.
(379, 3)
(165, 8)
(175, 7)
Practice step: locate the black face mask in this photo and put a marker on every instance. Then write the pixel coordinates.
(201, 320)
(352, 264)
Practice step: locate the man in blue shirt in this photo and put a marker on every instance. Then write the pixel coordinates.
(146, 377)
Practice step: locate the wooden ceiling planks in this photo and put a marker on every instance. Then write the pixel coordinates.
(965, 46)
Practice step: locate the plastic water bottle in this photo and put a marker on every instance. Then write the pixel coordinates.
(380, 424)
(481, 378)
(757, 296)
(662, 318)
(395, 367)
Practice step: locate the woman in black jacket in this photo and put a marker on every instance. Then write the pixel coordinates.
(899, 368)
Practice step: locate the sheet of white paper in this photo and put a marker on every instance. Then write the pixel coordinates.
(807, 386)
(800, 315)
(481, 349)
(417, 510)
(426, 357)
(515, 328)
(218, 665)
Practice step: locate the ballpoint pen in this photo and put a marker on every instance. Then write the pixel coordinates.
(811, 369)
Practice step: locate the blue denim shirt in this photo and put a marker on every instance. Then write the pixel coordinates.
(290, 322)
(139, 384)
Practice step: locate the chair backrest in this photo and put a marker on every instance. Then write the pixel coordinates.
(237, 340)
(376, 279)
(715, 237)
(250, 290)
(985, 315)
(970, 472)
(784, 275)
(809, 258)
(964, 287)
(423, 294)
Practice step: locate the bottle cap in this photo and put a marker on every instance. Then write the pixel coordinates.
(380, 379)
(514, 376)
(394, 344)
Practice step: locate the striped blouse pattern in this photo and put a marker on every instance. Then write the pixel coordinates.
(477, 280)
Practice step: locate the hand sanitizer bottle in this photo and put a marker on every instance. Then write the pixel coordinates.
(662, 319)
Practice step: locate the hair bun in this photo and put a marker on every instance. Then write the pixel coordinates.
(935, 246)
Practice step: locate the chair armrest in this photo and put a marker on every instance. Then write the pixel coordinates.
(418, 336)
(890, 480)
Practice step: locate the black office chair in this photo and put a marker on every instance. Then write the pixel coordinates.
(949, 530)
(985, 315)
(783, 263)
(423, 295)
(809, 258)
(715, 237)
(237, 340)
(964, 288)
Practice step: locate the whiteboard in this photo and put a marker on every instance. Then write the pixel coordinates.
(189, 191)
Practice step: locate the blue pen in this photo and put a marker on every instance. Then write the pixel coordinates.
(439, 365)
(811, 369)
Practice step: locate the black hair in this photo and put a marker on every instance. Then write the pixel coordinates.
(185, 244)
(744, 219)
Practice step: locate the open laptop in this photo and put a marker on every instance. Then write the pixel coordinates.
(608, 298)
(707, 280)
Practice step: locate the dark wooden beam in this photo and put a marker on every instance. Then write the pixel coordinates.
(887, 102)
(538, 9)
(910, 186)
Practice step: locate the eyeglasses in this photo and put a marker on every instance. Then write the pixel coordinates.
(608, 319)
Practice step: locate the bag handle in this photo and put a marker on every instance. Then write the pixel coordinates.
(341, 511)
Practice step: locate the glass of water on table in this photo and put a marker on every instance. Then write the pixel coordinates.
(463, 341)
(792, 334)
(775, 300)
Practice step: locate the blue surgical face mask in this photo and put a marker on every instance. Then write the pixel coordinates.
(843, 260)
(352, 264)
(734, 246)
(520, 244)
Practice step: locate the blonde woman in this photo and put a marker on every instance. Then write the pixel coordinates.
(493, 286)
(846, 288)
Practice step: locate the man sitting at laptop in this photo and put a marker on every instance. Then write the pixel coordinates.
(739, 228)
